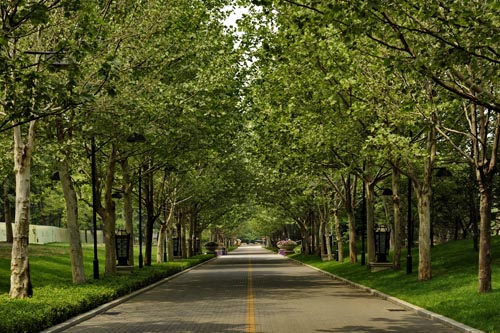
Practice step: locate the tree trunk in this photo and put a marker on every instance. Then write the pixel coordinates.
(353, 255)
(128, 211)
(304, 234)
(165, 233)
(71, 200)
(321, 238)
(424, 236)
(170, 244)
(76, 253)
(311, 221)
(485, 203)
(6, 207)
(20, 279)
(162, 237)
(192, 227)
(109, 221)
(370, 220)
(327, 237)
(423, 188)
(349, 209)
(108, 215)
(183, 236)
(485, 170)
(338, 231)
(396, 182)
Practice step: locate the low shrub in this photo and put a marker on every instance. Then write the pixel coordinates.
(55, 303)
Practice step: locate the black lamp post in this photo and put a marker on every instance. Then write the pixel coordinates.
(94, 211)
(363, 217)
(137, 137)
(409, 263)
(140, 217)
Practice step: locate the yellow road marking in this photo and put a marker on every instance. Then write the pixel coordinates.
(250, 304)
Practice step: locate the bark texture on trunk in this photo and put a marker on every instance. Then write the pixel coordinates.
(71, 201)
(338, 233)
(170, 244)
(109, 220)
(424, 233)
(108, 214)
(192, 228)
(183, 236)
(162, 237)
(164, 234)
(76, 253)
(353, 255)
(423, 189)
(485, 157)
(485, 271)
(6, 206)
(20, 279)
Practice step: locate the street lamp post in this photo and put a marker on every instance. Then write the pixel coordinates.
(363, 217)
(137, 137)
(140, 217)
(94, 207)
(409, 263)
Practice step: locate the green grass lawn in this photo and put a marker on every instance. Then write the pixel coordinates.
(56, 299)
(452, 291)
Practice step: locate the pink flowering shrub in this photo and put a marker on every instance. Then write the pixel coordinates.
(286, 242)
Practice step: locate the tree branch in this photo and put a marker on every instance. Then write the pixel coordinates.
(304, 6)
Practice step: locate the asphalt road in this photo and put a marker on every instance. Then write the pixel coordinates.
(253, 290)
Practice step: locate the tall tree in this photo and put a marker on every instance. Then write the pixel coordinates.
(445, 44)
(28, 95)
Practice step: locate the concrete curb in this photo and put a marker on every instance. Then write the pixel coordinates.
(418, 310)
(105, 307)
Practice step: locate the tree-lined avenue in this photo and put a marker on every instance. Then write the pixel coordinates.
(284, 297)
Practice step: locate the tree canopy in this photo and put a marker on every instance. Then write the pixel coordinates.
(288, 125)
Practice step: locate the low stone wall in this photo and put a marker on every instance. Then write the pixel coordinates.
(42, 234)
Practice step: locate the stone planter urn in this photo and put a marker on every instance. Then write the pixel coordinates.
(287, 248)
(287, 245)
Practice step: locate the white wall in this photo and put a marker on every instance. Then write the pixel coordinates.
(41, 234)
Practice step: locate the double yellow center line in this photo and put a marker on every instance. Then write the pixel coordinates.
(250, 320)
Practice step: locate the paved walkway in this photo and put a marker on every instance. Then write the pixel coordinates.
(253, 290)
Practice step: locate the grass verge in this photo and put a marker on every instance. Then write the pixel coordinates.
(452, 292)
(56, 299)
